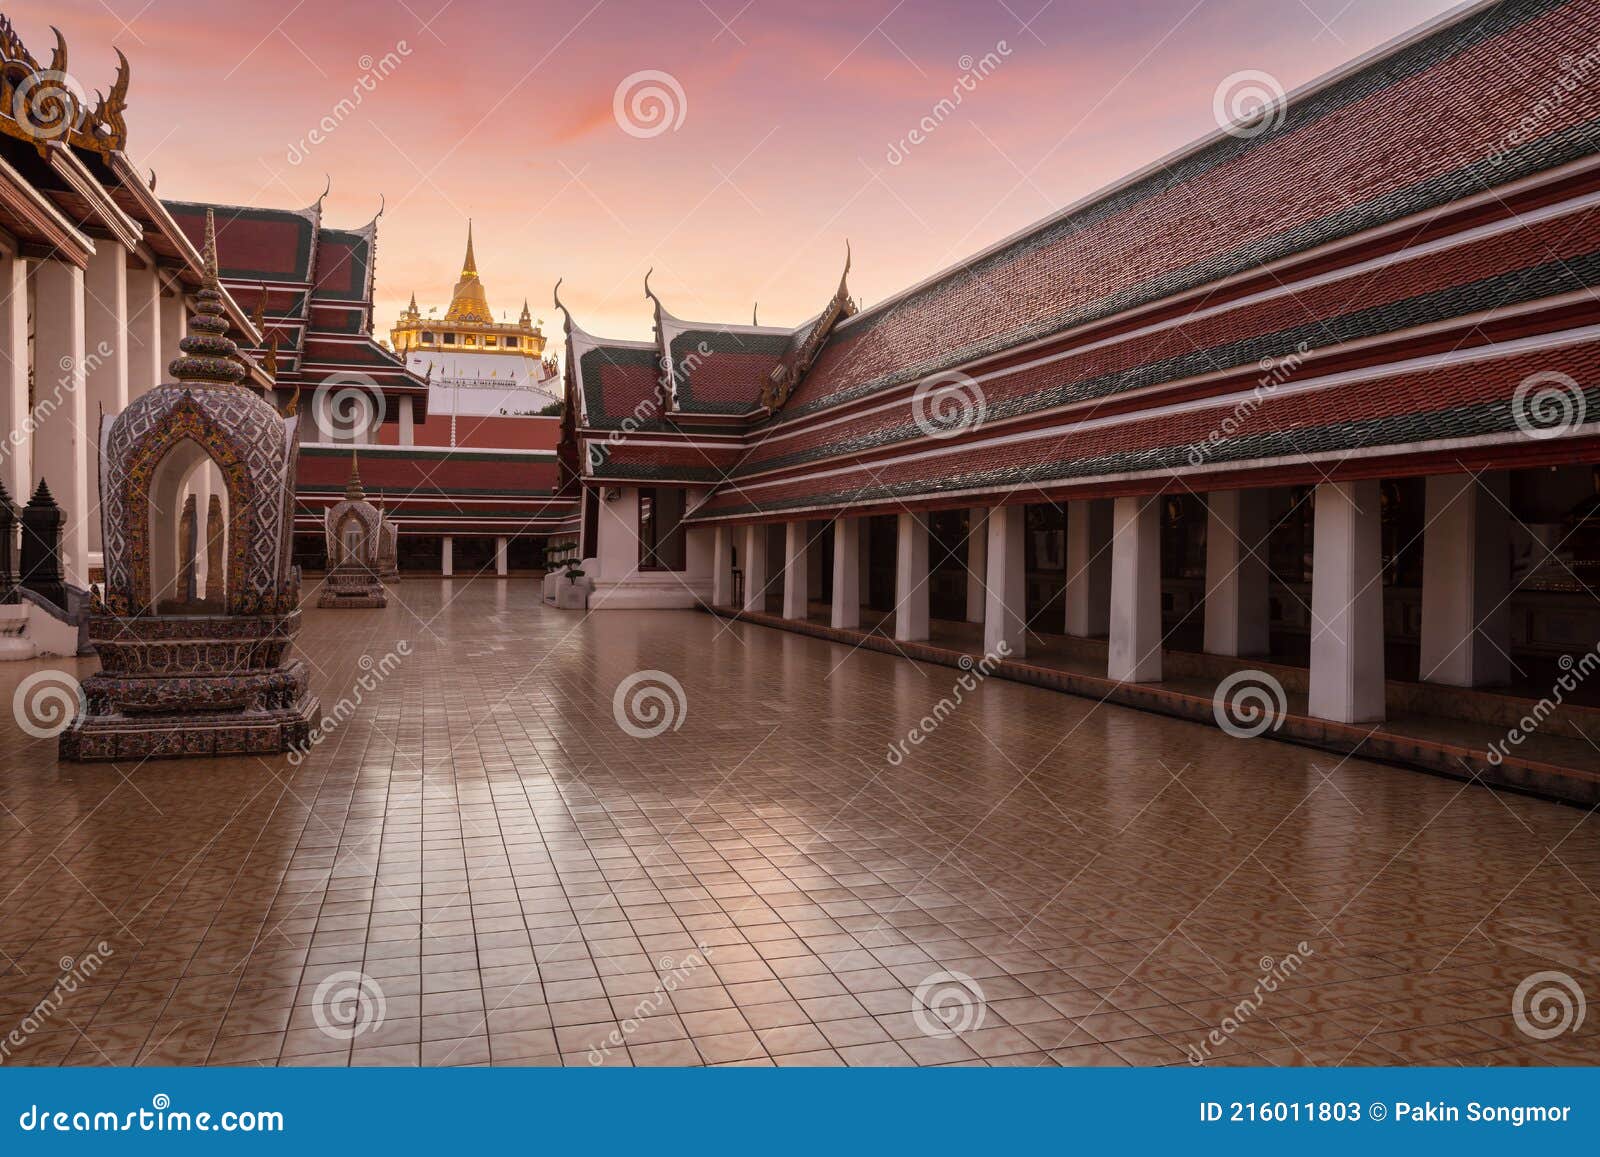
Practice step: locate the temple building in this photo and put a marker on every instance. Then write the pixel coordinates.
(1314, 397)
(475, 365)
(467, 492)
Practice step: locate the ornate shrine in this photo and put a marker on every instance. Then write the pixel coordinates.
(355, 533)
(180, 675)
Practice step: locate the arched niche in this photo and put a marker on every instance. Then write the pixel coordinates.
(177, 475)
(157, 475)
(352, 541)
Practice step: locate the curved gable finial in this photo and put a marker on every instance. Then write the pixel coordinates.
(566, 314)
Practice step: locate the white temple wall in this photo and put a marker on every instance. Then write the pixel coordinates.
(621, 584)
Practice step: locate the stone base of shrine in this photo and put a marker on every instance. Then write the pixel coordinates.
(331, 599)
(352, 589)
(1454, 732)
(110, 737)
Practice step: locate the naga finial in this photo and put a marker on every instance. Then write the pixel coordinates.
(58, 54)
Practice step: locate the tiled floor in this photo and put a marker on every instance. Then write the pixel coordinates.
(508, 876)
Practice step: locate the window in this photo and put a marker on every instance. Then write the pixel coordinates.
(449, 339)
(661, 545)
(488, 341)
(427, 335)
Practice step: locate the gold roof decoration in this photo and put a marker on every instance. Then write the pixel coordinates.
(468, 302)
(41, 105)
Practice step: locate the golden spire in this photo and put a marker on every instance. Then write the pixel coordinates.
(468, 303)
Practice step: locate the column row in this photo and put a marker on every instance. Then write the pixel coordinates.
(1113, 583)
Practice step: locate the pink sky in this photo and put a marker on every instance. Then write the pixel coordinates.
(503, 112)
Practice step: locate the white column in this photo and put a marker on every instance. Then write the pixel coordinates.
(408, 434)
(755, 567)
(447, 561)
(1347, 604)
(61, 437)
(1236, 611)
(1005, 582)
(699, 560)
(500, 556)
(174, 326)
(846, 573)
(977, 563)
(15, 468)
(146, 369)
(911, 577)
(105, 291)
(1088, 593)
(722, 568)
(796, 574)
(617, 543)
(1134, 654)
(1466, 577)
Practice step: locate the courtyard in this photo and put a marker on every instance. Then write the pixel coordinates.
(490, 858)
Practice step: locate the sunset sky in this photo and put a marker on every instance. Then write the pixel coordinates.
(503, 112)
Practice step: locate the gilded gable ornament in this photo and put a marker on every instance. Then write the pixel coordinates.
(42, 105)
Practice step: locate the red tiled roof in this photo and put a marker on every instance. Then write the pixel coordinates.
(1415, 128)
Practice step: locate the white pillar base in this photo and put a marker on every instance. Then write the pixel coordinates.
(174, 328)
(62, 434)
(145, 367)
(105, 289)
(911, 578)
(722, 568)
(447, 559)
(1134, 653)
(1236, 609)
(1005, 583)
(408, 428)
(846, 610)
(15, 468)
(796, 572)
(755, 567)
(1466, 578)
(1347, 604)
(500, 556)
(1088, 591)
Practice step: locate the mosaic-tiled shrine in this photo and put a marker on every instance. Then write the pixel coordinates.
(356, 534)
(181, 676)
